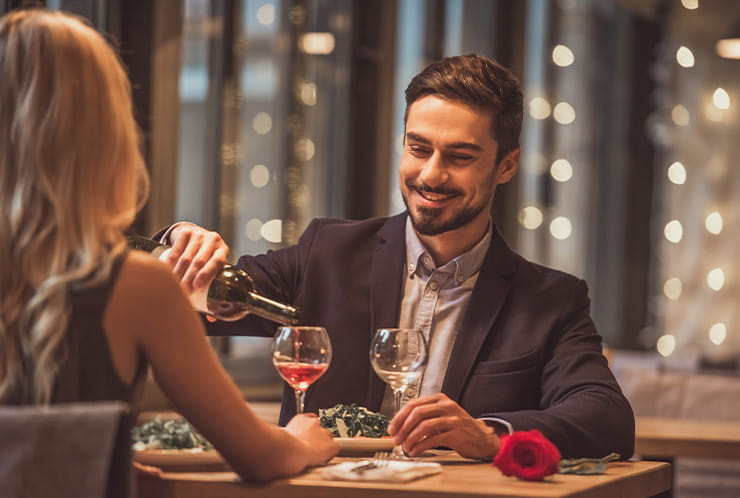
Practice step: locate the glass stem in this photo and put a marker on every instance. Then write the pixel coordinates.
(300, 396)
(398, 397)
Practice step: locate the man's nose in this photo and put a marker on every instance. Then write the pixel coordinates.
(433, 171)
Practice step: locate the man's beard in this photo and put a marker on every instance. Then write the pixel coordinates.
(428, 221)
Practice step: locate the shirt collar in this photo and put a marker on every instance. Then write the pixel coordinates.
(419, 262)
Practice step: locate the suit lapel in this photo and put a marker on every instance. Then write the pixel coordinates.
(486, 301)
(385, 295)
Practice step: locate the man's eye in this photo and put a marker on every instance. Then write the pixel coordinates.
(461, 157)
(418, 151)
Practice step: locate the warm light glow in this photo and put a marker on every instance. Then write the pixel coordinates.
(304, 149)
(307, 93)
(673, 231)
(728, 48)
(690, 4)
(266, 14)
(714, 223)
(672, 288)
(680, 115)
(564, 113)
(253, 229)
(561, 170)
(530, 217)
(561, 228)
(562, 56)
(666, 345)
(677, 173)
(685, 57)
(539, 108)
(316, 43)
(721, 99)
(713, 113)
(718, 333)
(262, 123)
(716, 279)
(272, 231)
(259, 175)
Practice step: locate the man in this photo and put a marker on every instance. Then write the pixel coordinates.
(512, 346)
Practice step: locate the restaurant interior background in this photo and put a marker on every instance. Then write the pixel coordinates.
(259, 115)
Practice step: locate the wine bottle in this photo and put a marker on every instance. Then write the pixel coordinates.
(230, 295)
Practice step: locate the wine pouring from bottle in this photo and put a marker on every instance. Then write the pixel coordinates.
(230, 295)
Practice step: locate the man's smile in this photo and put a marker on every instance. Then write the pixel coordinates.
(433, 197)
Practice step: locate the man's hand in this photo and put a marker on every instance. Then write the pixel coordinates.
(197, 255)
(426, 423)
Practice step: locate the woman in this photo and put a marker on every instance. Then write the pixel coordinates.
(80, 316)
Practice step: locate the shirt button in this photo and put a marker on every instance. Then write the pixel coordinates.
(433, 285)
(460, 279)
(412, 267)
(428, 260)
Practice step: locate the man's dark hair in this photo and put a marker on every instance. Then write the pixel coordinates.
(479, 82)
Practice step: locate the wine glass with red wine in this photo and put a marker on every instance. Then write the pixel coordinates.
(301, 355)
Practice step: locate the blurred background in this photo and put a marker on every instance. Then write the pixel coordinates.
(258, 115)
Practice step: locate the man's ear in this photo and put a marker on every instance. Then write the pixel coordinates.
(508, 166)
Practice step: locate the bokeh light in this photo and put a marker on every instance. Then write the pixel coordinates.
(561, 228)
(673, 231)
(530, 217)
(562, 56)
(677, 173)
(666, 345)
(672, 288)
(718, 333)
(685, 57)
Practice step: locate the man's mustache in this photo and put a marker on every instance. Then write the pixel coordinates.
(422, 187)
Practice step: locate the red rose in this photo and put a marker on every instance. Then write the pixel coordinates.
(527, 455)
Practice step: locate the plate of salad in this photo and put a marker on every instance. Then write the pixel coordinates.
(172, 443)
(357, 430)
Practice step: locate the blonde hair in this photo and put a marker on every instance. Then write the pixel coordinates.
(71, 180)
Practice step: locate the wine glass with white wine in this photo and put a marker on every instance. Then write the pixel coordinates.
(399, 357)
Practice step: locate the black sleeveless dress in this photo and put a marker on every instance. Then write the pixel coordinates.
(87, 372)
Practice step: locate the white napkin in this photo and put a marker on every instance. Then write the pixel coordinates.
(391, 471)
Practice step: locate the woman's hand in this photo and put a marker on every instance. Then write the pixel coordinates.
(319, 443)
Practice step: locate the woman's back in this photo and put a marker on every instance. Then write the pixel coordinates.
(88, 372)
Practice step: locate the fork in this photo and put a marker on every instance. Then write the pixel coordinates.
(380, 459)
(386, 456)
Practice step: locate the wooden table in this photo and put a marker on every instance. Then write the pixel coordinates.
(673, 437)
(459, 478)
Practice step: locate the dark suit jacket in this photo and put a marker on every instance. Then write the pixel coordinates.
(527, 351)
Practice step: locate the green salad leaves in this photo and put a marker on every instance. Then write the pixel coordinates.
(174, 434)
(352, 420)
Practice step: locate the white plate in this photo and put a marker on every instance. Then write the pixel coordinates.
(362, 445)
(192, 459)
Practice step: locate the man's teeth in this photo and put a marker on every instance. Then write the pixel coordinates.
(431, 196)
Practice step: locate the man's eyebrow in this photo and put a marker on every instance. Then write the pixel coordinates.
(454, 145)
(417, 138)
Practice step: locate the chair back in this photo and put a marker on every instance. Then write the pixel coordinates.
(75, 450)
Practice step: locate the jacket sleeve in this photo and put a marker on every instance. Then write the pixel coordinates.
(277, 275)
(583, 411)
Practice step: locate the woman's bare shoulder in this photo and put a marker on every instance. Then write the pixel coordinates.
(144, 283)
(143, 271)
